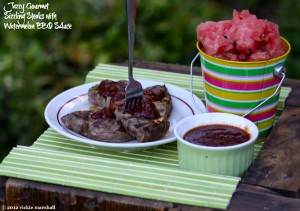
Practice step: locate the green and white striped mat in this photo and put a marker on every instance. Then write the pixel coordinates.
(152, 174)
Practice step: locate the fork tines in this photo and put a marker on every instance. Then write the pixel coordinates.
(133, 94)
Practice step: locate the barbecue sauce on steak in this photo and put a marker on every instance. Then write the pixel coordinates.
(146, 122)
(147, 109)
(103, 113)
(116, 90)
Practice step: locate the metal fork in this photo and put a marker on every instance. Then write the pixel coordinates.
(134, 90)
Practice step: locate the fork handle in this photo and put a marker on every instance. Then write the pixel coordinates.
(131, 13)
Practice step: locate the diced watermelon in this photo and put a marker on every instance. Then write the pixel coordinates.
(259, 56)
(210, 34)
(244, 38)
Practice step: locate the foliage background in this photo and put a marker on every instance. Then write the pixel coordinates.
(36, 65)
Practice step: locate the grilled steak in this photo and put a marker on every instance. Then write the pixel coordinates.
(160, 97)
(107, 92)
(97, 124)
(146, 122)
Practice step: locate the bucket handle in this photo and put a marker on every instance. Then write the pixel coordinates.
(278, 72)
(191, 84)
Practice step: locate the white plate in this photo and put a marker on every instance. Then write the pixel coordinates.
(76, 99)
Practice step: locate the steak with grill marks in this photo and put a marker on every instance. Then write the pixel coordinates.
(98, 124)
(107, 92)
(146, 122)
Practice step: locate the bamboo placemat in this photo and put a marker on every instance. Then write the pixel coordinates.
(152, 174)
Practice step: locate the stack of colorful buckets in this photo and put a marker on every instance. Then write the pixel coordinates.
(238, 87)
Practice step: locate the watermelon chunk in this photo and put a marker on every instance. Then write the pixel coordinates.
(214, 39)
(244, 38)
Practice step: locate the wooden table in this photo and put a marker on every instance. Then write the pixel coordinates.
(271, 183)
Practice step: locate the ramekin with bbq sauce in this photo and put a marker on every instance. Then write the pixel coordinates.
(217, 143)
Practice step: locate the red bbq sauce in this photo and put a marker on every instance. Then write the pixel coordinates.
(116, 90)
(103, 113)
(216, 135)
(147, 109)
